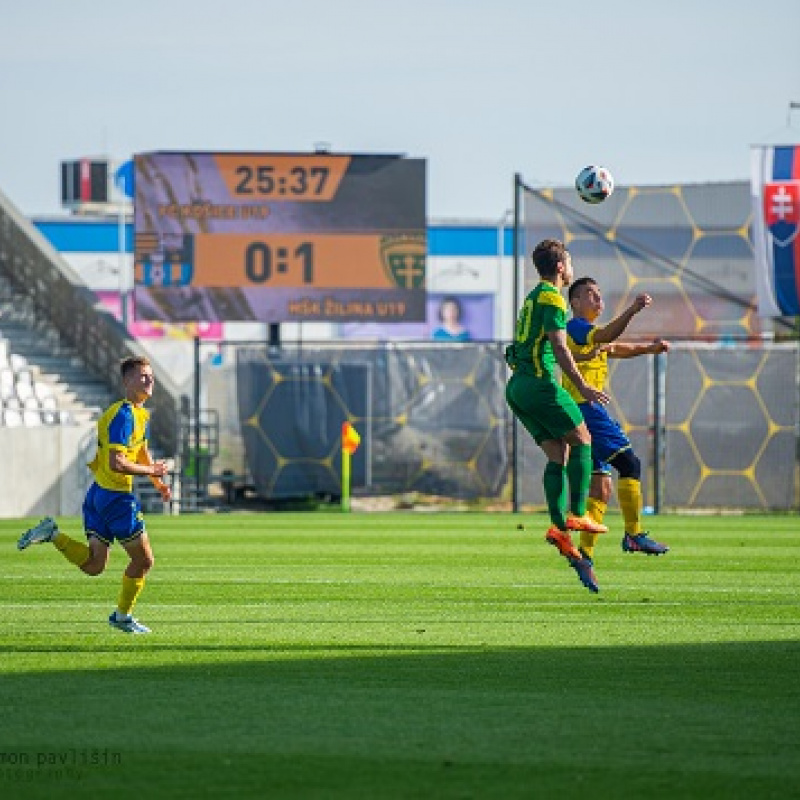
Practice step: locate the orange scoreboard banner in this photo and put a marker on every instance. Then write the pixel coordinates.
(275, 237)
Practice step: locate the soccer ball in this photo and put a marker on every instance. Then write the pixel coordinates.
(594, 184)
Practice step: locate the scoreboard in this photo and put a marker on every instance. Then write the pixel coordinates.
(276, 237)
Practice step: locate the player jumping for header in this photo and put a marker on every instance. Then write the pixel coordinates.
(548, 413)
(591, 346)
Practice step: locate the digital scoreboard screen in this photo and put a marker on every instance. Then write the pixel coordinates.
(279, 237)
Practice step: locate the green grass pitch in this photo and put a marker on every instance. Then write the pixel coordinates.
(410, 655)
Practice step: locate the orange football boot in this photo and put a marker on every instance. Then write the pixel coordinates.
(563, 541)
(585, 523)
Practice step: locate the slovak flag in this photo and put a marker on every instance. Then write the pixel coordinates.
(775, 192)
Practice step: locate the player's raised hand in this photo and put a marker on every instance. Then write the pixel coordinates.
(641, 301)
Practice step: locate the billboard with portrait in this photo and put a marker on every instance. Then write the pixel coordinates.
(450, 317)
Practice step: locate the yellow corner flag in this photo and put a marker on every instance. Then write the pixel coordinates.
(350, 438)
(350, 442)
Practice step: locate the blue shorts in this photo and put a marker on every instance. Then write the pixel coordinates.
(608, 438)
(112, 515)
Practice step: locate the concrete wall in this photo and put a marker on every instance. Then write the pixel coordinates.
(43, 470)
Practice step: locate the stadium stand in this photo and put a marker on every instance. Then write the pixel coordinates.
(59, 343)
(55, 327)
(42, 373)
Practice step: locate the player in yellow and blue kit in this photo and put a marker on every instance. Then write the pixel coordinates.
(110, 509)
(591, 346)
(548, 413)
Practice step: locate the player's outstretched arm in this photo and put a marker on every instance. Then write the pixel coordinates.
(630, 350)
(587, 355)
(605, 334)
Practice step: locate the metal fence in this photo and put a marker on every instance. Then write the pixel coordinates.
(714, 427)
(731, 427)
(432, 418)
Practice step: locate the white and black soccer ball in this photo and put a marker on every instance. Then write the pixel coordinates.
(594, 184)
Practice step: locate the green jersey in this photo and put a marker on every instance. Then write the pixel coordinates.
(532, 354)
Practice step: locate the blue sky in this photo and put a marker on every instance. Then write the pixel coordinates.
(658, 92)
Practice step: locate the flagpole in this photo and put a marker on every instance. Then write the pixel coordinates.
(345, 481)
(123, 180)
(350, 442)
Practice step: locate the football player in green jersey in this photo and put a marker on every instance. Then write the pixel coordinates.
(536, 397)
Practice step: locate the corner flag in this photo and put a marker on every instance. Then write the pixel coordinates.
(350, 442)
(350, 438)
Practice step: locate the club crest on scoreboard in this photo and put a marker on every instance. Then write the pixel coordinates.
(403, 257)
(163, 261)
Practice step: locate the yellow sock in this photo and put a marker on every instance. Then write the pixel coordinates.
(629, 491)
(131, 587)
(75, 552)
(596, 509)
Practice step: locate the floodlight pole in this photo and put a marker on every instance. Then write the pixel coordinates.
(657, 437)
(502, 226)
(515, 261)
(122, 282)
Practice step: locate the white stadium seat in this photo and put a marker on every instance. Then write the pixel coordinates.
(17, 362)
(31, 419)
(24, 390)
(12, 418)
(42, 390)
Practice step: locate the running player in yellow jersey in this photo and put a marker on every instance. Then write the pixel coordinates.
(110, 509)
(548, 413)
(591, 346)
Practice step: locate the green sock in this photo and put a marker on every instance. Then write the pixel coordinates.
(579, 472)
(555, 492)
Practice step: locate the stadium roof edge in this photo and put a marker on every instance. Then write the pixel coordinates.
(104, 219)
